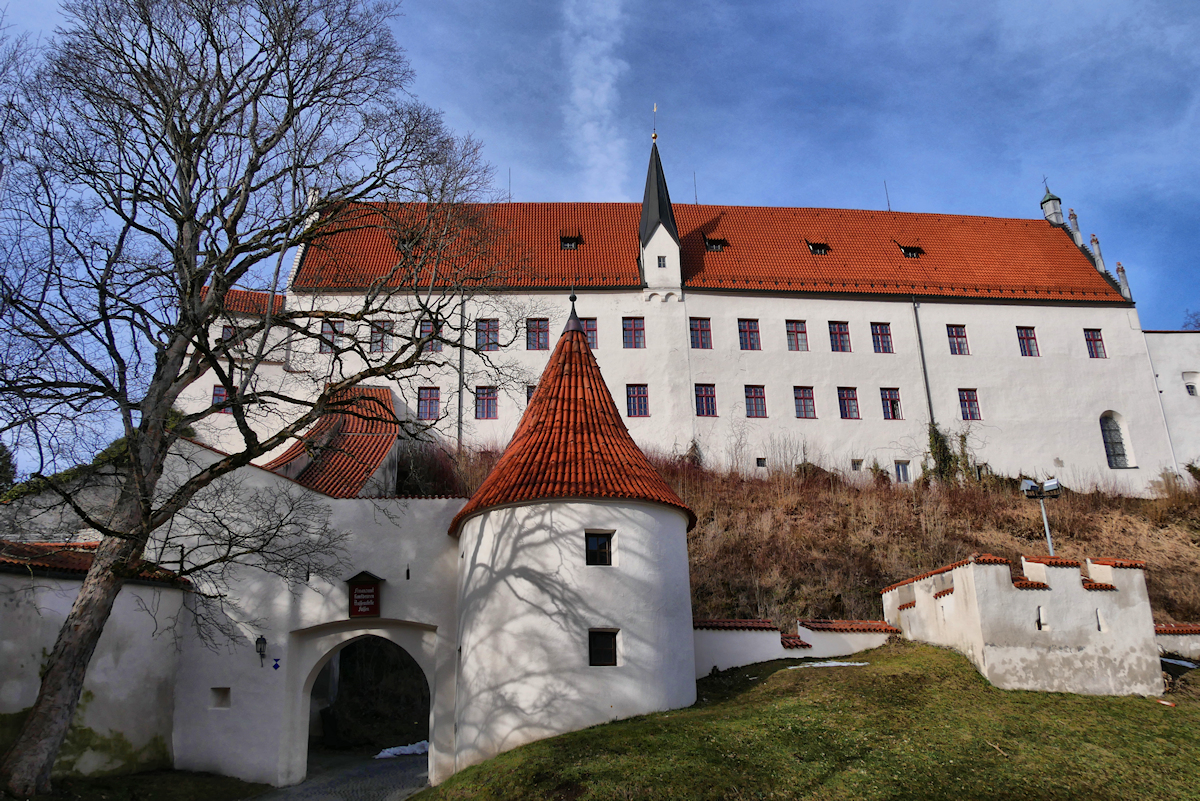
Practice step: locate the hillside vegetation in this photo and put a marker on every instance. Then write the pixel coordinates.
(811, 545)
(916, 722)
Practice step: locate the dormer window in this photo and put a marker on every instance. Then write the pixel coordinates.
(911, 252)
(570, 242)
(817, 248)
(715, 245)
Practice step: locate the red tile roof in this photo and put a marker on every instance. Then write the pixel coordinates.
(73, 558)
(1023, 583)
(1121, 564)
(908, 605)
(735, 625)
(943, 593)
(791, 641)
(1088, 584)
(767, 251)
(1177, 628)
(244, 301)
(1052, 561)
(347, 446)
(571, 443)
(977, 558)
(850, 626)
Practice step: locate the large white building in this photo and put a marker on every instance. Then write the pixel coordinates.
(763, 337)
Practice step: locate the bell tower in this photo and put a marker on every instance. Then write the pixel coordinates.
(657, 234)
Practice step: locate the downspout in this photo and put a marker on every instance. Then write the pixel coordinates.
(924, 369)
(1162, 411)
(462, 356)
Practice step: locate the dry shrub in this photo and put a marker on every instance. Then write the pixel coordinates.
(809, 545)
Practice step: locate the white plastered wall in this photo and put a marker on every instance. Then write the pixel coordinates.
(730, 648)
(527, 601)
(1187, 645)
(1176, 359)
(128, 689)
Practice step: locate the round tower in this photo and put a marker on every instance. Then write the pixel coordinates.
(573, 596)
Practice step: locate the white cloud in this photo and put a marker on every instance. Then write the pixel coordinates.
(593, 31)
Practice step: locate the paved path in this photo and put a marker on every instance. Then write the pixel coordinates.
(358, 779)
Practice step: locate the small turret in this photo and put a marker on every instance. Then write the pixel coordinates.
(1096, 252)
(1052, 208)
(1124, 282)
(1074, 229)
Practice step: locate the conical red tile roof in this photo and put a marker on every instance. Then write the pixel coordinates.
(571, 443)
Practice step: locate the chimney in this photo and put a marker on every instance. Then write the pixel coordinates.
(1074, 229)
(1124, 282)
(1096, 252)
(1052, 208)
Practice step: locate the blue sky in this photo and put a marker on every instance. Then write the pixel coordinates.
(960, 107)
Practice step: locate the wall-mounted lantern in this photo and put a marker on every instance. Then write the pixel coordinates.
(260, 648)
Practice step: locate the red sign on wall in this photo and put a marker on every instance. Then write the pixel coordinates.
(364, 595)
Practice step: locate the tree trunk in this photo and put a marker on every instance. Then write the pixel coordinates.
(26, 767)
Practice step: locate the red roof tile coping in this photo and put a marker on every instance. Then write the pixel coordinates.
(735, 625)
(1121, 564)
(1022, 583)
(943, 593)
(790, 642)
(245, 301)
(1099, 585)
(1177, 629)
(68, 557)
(908, 605)
(571, 444)
(767, 251)
(976, 558)
(1052, 561)
(850, 626)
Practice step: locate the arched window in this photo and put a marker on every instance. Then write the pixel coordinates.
(1114, 441)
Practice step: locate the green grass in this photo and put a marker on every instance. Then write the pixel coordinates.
(918, 722)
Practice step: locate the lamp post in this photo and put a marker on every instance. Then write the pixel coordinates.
(1049, 489)
(260, 648)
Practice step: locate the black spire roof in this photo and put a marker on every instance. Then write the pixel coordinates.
(656, 205)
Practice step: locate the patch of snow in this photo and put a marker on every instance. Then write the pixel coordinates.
(829, 664)
(397, 750)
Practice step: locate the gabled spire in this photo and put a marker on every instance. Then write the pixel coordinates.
(571, 444)
(656, 205)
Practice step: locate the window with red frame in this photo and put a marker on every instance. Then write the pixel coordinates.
(485, 403)
(806, 407)
(839, 337)
(957, 335)
(797, 335)
(537, 333)
(633, 332)
(1027, 340)
(330, 331)
(428, 403)
(589, 329)
(701, 333)
(756, 401)
(381, 336)
(881, 337)
(706, 400)
(428, 330)
(968, 401)
(748, 335)
(220, 396)
(848, 403)
(529, 390)
(1095, 344)
(891, 404)
(487, 334)
(637, 400)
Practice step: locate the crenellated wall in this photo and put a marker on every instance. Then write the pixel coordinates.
(1050, 627)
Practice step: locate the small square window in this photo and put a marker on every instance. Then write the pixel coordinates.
(662, 262)
(715, 245)
(902, 473)
(589, 328)
(817, 248)
(633, 332)
(912, 251)
(797, 335)
(1191, 389)
(529, 390)
(599, 548)
(761, 461)
(637, 400)
(602, 648)
(220, 698)
(856, 465)
(1095, 343)
(570, 242)
(881, 337)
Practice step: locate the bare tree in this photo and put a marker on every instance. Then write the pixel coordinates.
(172, 153)
(1191, 320)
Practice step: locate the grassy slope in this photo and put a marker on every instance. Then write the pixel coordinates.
(918, 722)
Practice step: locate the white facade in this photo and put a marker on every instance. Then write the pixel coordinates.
(1048, 632)
(1175, 358)
(528, 600)
(727, 647)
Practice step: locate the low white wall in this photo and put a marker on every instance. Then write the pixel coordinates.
(725, 648)
(838, 643)
(123, 722)
(1186, 645)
